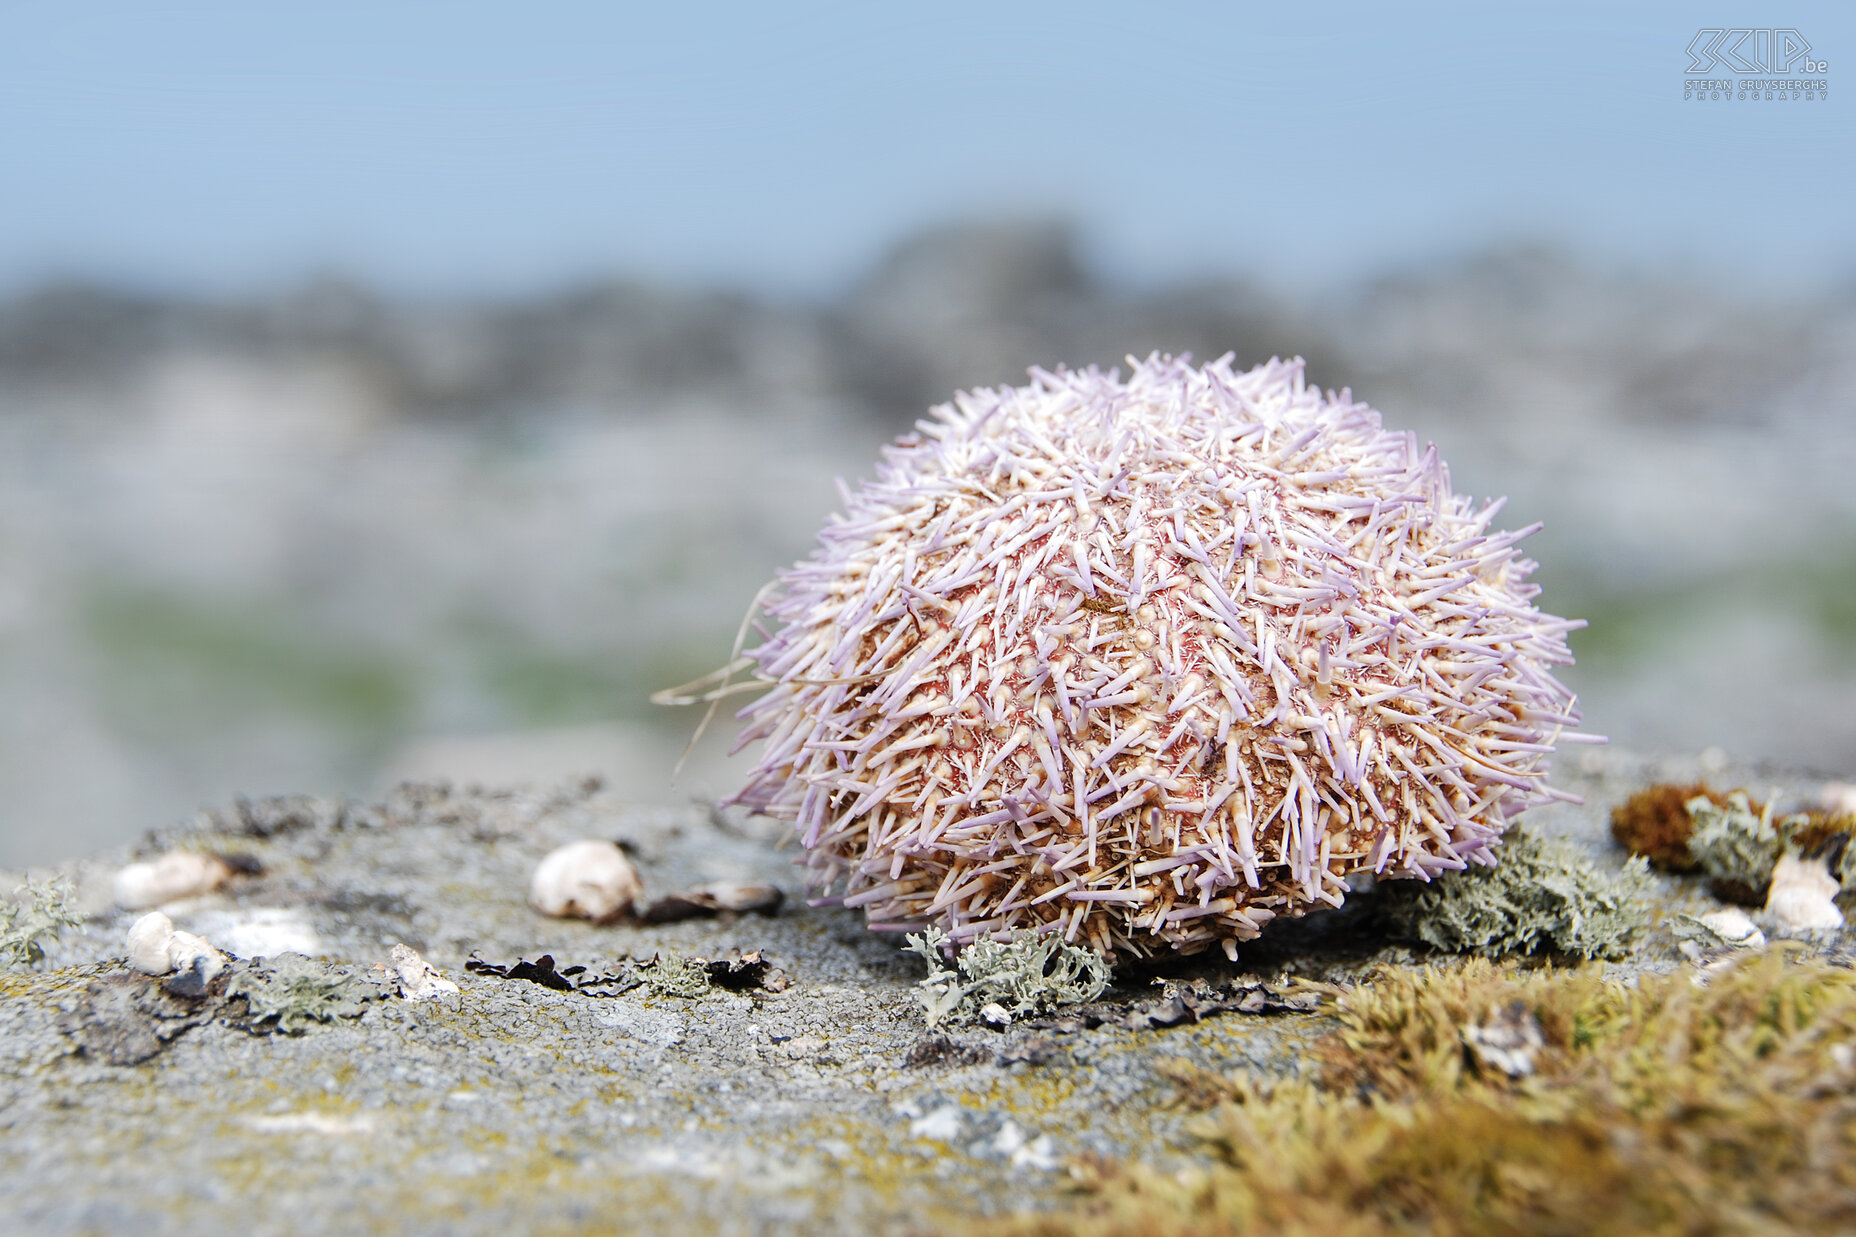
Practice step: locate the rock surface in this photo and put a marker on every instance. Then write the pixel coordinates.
(805, 1095)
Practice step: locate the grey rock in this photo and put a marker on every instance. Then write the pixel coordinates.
(825, 1106)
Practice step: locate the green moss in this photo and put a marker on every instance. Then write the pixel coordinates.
(170, 658)
(1627, 626)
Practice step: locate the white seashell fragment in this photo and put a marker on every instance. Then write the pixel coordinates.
(419, 979)
(155, 948)
(195, 962)
(1802, 900)
(177, 874)
(588, 879)
(1735, 927)
(148, 939)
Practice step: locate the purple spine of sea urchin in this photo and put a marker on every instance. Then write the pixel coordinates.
(1151, 663)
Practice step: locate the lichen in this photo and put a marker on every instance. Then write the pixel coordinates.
(1027, 975)
(687, 978)
(1737, 844)
(35, 915)
(290, 994)
(1540, 895)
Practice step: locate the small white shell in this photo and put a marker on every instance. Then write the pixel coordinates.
(190, 953)
(587, 879)
(155, 948)
(177, 874)
(419, 979)
(148, 939)
(1734, 926)
(1802, 899)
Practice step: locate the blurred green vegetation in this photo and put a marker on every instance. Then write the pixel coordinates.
(1628, 625)
(165, 660)
(170, 667)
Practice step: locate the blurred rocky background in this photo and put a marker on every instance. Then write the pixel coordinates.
(326, 539)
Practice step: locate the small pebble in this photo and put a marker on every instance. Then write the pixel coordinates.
(177, 874)
(586, 880)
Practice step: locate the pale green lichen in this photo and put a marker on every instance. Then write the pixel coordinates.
(678, 977)
(1736, 843)
(290, 993)
(1028, 975)
(37, 912)
(1539, 895)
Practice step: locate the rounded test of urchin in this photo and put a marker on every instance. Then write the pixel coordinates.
(1148, 663)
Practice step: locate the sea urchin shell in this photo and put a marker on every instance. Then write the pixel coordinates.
(1151, 663)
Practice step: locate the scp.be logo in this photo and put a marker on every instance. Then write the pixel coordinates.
(1745, 49)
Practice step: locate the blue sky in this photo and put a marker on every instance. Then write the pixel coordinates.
(494, 147)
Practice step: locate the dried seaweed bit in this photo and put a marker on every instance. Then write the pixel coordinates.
(567, 979)
(1543, 895)
(1028, 975)
(289, 994)
(37, 913)
(540, 971)
(126, 1019)
(687, 978)
(1656, 824)
(749, 971)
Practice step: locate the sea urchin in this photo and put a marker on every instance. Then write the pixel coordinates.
(1149, 663)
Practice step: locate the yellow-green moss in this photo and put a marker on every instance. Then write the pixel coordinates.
(1662, 1107)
